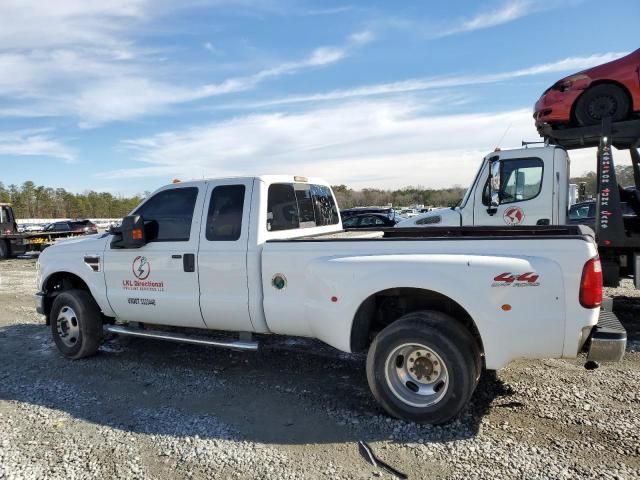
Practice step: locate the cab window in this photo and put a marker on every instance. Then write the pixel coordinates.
(521, 180)
(172, 210)
(224, 219)
(300, 205)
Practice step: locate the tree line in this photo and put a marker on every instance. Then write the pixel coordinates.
(34, 201)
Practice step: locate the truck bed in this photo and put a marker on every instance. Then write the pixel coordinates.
(450, 233)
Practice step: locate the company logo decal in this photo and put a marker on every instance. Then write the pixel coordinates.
(513, 216)
(508, 279)
(141, 269)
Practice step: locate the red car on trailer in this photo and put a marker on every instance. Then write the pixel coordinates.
(585, 98)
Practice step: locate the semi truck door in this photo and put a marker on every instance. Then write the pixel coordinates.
(525, 194)
(222, 257)
(158, 283)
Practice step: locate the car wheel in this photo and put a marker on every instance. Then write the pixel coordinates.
(602, 101)
(423, 367)
(76, 324)
(4, 250)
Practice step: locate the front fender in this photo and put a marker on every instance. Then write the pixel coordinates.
(55, 260)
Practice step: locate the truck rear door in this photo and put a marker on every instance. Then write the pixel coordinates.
(222, 255)
(158, 283)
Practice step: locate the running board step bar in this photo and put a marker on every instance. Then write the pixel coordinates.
(180, 338)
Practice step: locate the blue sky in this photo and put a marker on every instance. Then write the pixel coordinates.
(125, 95)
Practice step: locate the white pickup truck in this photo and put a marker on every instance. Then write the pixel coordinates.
(268, 255)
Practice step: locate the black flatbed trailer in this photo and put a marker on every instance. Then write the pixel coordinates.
(13, 243)
(618, 237)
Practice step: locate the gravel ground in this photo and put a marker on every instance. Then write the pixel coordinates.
(295, 409)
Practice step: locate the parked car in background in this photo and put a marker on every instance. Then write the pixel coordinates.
(584, 213)
(585, 98)
(409, 212)
(34, 227)
(369, 220)
(348, 212)
(85, 226)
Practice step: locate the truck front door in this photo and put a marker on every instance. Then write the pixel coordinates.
(158, 283)
(525, 194)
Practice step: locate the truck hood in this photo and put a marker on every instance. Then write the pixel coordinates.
(94, 243)
(438, 217)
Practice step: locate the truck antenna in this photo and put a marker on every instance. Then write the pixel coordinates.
(502, 138)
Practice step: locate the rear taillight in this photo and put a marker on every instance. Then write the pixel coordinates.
(591, 284)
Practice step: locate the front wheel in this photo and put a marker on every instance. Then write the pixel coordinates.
(76, 324)
(601, 101)
(423, 367)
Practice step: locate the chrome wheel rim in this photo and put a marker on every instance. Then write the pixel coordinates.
(416, 375)
(68, 326)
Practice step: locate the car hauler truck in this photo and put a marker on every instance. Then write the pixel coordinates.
(530, 186)
(265, 255)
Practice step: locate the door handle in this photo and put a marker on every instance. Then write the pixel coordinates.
(543, 221)
(176, 255)
(189, 262)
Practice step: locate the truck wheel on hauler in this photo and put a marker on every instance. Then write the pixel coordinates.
(76, 324)
(422, 367)
(4, 250)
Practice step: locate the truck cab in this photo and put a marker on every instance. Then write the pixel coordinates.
(529, 188)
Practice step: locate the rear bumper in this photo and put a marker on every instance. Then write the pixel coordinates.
(39, 300)
(608, 339)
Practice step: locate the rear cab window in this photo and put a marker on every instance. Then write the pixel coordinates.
(224, 218)
(300, 205)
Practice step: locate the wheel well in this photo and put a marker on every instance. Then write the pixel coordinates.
(58, 283)
(385, 307)
(602, 82)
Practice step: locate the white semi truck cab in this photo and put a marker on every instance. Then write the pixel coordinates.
(256, 256)
(531, 187)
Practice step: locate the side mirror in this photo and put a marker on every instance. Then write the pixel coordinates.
(130, 234)
(494, 185)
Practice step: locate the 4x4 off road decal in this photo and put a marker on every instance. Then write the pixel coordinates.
(141, 269)
(513, 216)
(508, 279)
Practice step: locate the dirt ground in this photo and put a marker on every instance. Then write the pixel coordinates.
(294, 409)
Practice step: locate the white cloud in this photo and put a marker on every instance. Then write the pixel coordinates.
(432, 83)
(80, 59)
(97, 88)
(366, 143)
(33, 143)
(362, 38)
(385, 144)
(508, 12)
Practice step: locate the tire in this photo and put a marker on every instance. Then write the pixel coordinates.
(4, 249)
(602, 101)
(76, 324)
(441, 384)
